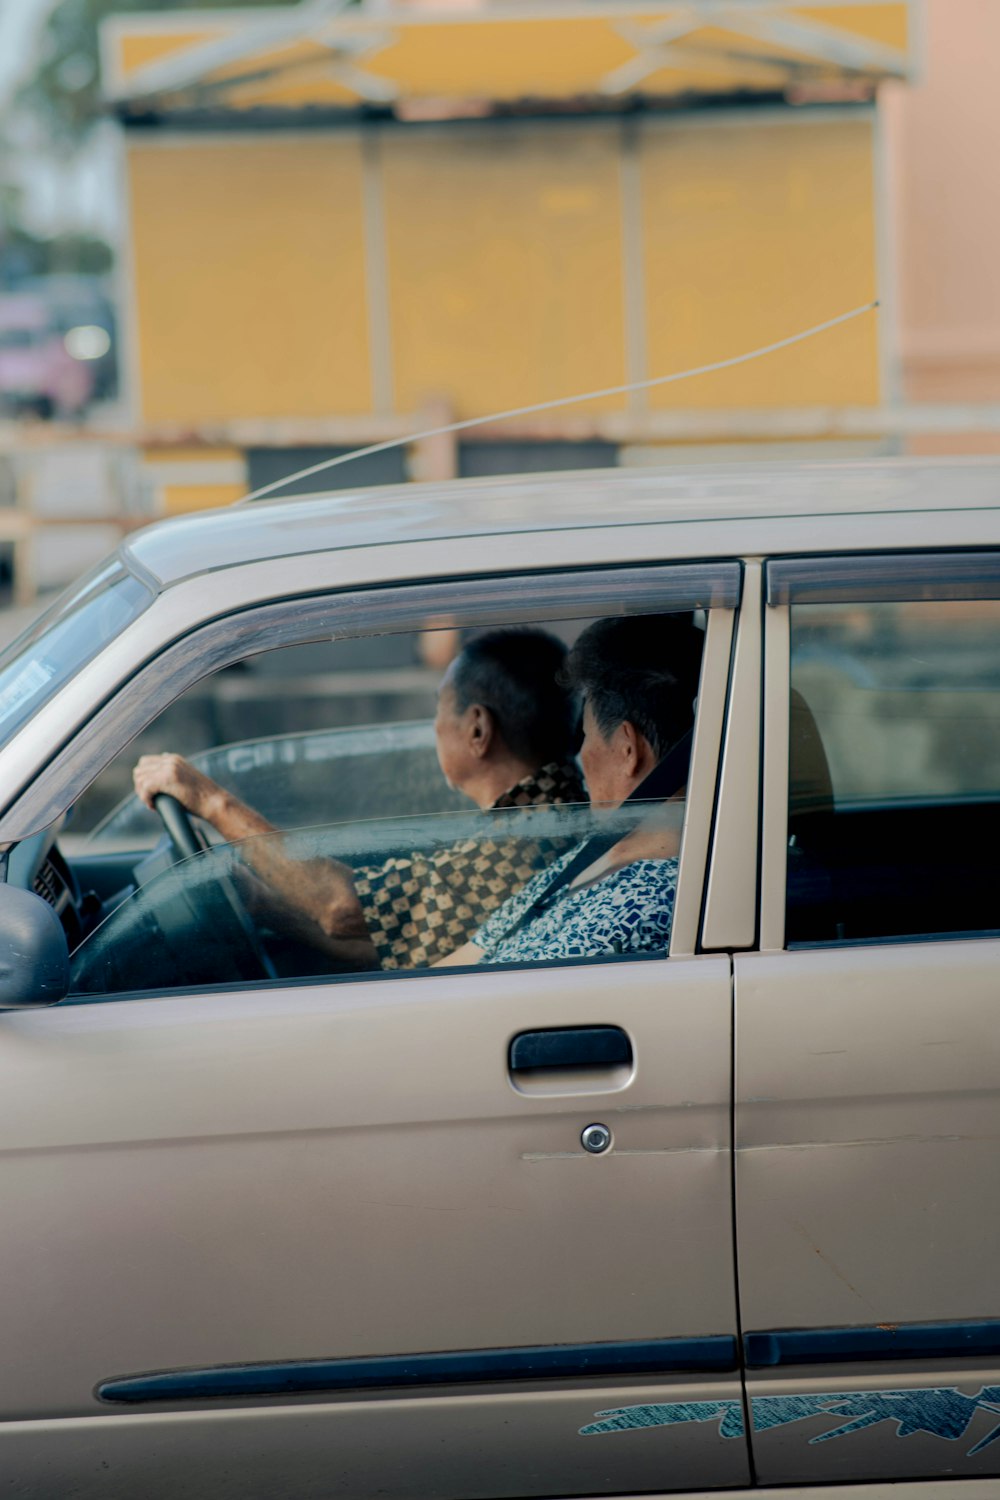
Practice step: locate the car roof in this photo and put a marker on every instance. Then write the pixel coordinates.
(190, 546)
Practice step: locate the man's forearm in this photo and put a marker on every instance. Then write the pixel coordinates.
(270, 908)
(230, 817)
(322, 889)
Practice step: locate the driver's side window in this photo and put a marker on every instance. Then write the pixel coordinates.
(390, 805)
(269, 907)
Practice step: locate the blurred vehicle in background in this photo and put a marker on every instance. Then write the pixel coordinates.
(56, 349)
(37, 372)
(82, 311)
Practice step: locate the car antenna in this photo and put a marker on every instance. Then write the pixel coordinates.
(524, 411)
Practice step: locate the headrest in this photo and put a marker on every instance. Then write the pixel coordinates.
(810, 786)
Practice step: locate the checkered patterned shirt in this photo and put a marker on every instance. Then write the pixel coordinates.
(420, 909)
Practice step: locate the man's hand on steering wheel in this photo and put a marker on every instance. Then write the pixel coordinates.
(197, 794)
(173, 776)
(158, 780)
(185, 838)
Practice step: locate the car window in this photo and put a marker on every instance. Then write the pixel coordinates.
(354, 838)
(254, 911)
(894, 800)
(65, 638)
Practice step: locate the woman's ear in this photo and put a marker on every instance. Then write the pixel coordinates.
(481, 730)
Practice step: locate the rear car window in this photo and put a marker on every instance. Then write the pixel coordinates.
(894, 797)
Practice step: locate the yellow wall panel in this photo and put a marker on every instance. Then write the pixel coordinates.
(195, 453)
(501, 59)
(752, 231)
(504, 261)
(297, 88)
(664, 83)
(249, 272)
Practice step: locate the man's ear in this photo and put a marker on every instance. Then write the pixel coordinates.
(481, 730)
(637, 752)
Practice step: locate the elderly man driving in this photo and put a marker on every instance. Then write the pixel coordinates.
(506, 733)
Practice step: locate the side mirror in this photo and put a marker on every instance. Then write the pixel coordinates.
(34, 955)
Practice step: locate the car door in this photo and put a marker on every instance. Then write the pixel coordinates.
(868, 1045)
(329, 1237)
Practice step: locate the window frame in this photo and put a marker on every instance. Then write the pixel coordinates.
(729, 918)
(880, 578)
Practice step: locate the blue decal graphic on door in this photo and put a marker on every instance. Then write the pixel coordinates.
(729, 1415)
(944, 1412)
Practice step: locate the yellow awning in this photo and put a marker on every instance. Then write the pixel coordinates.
(424, 61)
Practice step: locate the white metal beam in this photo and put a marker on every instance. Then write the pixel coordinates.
(651, 43)
(814, 40)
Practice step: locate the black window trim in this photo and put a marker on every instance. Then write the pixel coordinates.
(866, 577)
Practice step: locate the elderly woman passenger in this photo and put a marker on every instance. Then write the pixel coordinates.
(638, 678)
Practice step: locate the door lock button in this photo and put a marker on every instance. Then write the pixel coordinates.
(595, 1139)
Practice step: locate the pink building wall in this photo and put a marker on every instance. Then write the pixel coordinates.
(943, 145)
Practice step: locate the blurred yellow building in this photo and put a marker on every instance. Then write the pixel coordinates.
(345, 225)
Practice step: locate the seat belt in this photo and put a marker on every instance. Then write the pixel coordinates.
(666, 778)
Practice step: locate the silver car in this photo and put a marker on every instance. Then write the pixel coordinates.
(721, 1217)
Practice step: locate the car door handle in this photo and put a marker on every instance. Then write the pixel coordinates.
(570, 1047)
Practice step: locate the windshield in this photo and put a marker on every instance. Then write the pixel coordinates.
(65, 638)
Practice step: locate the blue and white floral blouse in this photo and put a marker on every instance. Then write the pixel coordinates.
(629, 911)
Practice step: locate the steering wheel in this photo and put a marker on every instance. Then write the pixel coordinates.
(186, 840)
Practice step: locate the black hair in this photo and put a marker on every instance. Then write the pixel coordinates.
(515, 674)
(642, 669)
